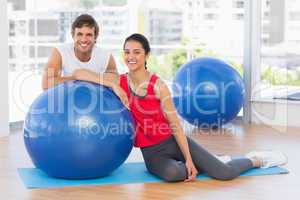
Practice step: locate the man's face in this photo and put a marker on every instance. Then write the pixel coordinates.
(84, 39)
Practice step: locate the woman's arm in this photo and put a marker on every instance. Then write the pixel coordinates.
(163, 93)
(107, 79)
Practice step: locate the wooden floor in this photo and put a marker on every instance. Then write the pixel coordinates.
(235, 140)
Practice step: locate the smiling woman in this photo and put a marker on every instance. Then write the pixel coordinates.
(167, 152)
(136, 53)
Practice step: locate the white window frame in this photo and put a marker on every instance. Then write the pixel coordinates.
(4, 119)
(252, 46)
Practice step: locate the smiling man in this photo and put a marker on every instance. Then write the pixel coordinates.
(82, 53)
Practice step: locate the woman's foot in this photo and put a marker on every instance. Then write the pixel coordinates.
(266, 159)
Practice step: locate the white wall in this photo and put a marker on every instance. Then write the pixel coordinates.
(4, 126)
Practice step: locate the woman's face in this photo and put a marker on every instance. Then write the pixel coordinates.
(134, 55)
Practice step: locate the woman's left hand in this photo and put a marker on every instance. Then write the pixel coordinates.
(192, 171)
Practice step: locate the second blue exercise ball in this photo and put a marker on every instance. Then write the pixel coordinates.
(78, 130)
(208, 92)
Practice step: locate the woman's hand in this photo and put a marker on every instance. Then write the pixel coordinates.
(192, 171)
(122, 95)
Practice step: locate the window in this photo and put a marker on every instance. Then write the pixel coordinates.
(211, 4)
(210, 16)
(294, 16)
(280, 55)
(238, 3)
(178, 30)
(238, 16)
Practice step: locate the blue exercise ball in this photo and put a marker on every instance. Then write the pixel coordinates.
(78, 130)
(208, 92)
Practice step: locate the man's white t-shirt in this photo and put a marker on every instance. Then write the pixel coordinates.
(97, 63)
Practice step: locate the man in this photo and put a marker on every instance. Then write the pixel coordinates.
(81, 54)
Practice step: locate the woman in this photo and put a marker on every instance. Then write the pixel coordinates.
(167, 152)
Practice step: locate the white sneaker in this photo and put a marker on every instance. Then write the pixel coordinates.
(269, 158)
(223, 158)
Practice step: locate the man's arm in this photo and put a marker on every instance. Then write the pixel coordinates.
(111, 66)
(111, 80)
(52, 73)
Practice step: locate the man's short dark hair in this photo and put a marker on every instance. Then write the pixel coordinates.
(85, 20)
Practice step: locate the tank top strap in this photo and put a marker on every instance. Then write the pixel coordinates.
(150, 89)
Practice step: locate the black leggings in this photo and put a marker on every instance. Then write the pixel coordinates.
(166, 161)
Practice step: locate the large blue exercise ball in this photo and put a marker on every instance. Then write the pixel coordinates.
(208, 92)
(78, 130)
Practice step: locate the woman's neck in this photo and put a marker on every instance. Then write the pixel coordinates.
(139, 77)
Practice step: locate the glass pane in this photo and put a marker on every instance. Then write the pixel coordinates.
(35, 27)
(280, 53)
(178, 30)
